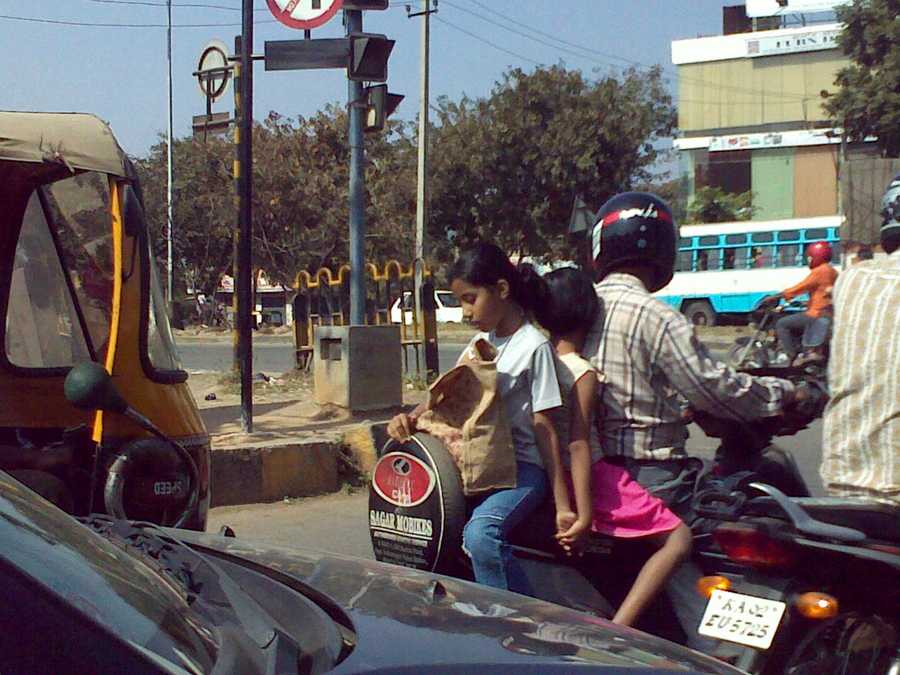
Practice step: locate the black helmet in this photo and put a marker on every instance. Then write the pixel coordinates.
(890, 210)
(635, 227)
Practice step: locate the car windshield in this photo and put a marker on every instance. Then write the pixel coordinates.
(447, 299)
(100, 580)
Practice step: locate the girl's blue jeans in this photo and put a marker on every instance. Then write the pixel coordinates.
(486, 535)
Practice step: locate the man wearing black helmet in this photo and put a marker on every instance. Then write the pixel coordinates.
(862, 420)
(653, 363)
(649, 353)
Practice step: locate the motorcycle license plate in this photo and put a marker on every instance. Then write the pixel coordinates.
(744, 619)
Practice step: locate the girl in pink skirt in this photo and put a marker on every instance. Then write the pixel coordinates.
(608, 500)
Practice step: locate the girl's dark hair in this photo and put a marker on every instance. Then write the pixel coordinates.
(569, 302)
(486, 264)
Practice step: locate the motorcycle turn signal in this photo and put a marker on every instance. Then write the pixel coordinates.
(815, 605)
(716, 582)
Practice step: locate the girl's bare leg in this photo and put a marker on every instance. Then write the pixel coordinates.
(674, 547)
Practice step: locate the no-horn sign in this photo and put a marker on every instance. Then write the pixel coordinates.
(304, 14)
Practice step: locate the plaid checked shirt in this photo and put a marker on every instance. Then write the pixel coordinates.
(653, 361)
(861, 457)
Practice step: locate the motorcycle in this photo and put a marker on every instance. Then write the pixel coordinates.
(809, 585)
(761, 349)
(417, 512)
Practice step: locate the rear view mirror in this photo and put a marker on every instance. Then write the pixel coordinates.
(88, 386)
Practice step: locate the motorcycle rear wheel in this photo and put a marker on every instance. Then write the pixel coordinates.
(847, 644)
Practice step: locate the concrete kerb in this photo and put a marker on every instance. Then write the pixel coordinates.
(297, 463)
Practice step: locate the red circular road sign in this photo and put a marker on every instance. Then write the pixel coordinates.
(304, 14)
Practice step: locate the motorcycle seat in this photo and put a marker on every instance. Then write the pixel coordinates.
(875, 519)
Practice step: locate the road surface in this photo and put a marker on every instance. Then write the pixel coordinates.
(271, 355)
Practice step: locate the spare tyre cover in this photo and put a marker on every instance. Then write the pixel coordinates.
(416, 506)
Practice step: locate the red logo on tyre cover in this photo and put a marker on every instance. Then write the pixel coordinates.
(403, 480)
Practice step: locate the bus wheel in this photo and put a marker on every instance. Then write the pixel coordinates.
(700, 313)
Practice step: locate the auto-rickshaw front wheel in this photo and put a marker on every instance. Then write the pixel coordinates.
(156, 471)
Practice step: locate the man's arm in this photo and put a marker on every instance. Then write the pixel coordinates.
(812, 281)
(711, 386)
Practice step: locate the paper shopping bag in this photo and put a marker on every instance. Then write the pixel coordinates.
(465, 411)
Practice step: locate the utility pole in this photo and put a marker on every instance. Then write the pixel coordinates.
(422, 173)
(356, 108)
(170, 271)
(243, 174)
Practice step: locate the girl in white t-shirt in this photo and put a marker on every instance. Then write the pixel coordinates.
(608, 500)
(495, 298)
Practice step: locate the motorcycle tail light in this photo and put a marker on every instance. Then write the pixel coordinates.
(706, 585)
(750, 546)
(886, 548)
(816, 605)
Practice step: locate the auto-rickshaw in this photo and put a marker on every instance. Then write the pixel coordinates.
(95, 412)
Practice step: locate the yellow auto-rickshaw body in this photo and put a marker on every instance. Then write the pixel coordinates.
(78, 282)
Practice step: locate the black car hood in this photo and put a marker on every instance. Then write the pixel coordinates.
(410, 620)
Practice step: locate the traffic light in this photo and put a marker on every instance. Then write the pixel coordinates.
(380, 105)
(369, 55)
(366, 4)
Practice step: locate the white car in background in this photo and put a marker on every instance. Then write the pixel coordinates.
(448, 308)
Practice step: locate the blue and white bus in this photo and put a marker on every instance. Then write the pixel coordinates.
(725, 269)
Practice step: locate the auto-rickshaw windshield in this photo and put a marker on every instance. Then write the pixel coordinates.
(160, 341)
(61, 288)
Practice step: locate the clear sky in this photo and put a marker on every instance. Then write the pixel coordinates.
(119, 72)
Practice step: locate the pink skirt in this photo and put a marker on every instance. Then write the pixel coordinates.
(622, 507)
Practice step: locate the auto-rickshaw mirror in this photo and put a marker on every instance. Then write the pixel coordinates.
(88, 386)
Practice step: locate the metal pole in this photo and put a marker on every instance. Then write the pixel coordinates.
(353, 22)
(422, 179)
(243, 171)
(170, 271)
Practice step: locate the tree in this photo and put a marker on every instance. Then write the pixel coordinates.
(204, 214)
(867, 102)
(713, 205)
(508, 167)
(300, 214)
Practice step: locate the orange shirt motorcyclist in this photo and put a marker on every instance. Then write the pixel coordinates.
(818, 283)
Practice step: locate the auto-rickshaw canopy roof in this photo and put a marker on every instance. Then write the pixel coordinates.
(78, 141)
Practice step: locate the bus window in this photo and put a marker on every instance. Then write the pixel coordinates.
(762, 237)
(702, 261)
(736, 239)
(818, 233)
(835, 251)
(685, 242)
(787, 255)
(684, 261)
(762, 256)
(728, 259)
(713, 257)
(709, 240)
(789, 235)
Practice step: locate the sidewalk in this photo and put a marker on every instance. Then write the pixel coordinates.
(298, 448)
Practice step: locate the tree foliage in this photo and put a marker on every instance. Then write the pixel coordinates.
(506, 167)
(713, 205)
(867, 102)
(509, 166)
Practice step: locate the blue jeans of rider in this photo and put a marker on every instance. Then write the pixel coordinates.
(486, 535)
(790, 332)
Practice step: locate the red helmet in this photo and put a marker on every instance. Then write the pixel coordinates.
(818, 253)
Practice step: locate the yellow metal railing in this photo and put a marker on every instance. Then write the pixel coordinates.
(323, 299)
